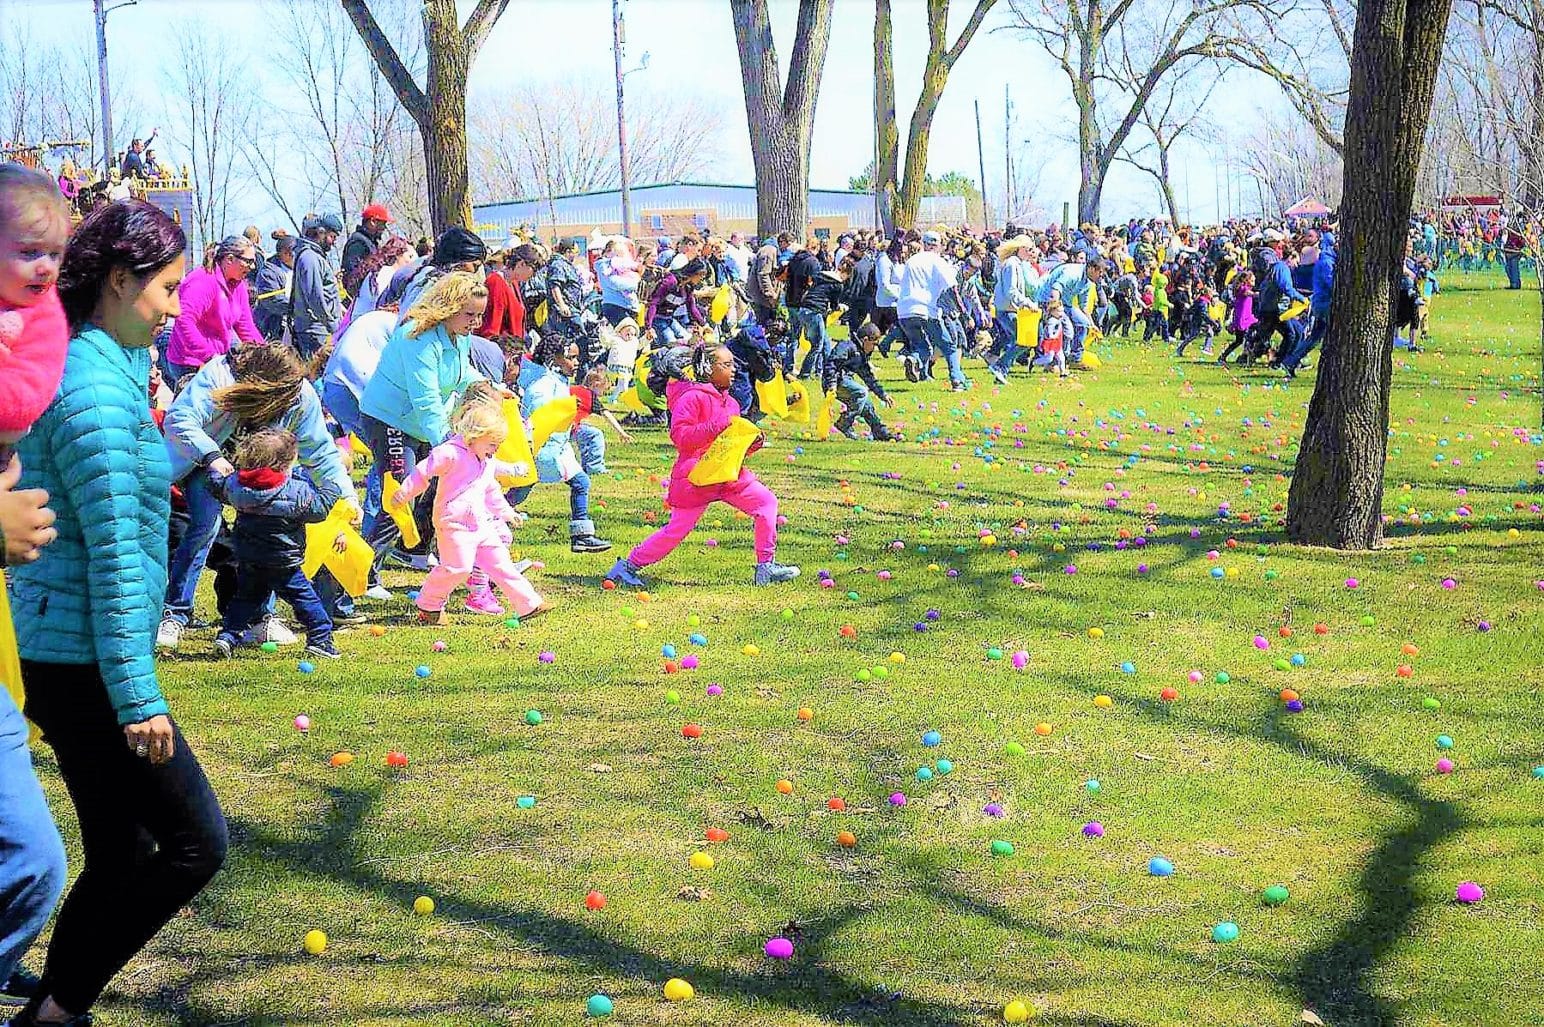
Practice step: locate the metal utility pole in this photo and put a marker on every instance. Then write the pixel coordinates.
(102, 9)
(1007, 155)
(986, 217)
(617, 44)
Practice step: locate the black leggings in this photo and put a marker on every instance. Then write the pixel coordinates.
(152, 835)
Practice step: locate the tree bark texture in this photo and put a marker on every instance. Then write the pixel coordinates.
(941, 58)
(439, 109)
(888, 145)
(781, 117)
(1336, 497)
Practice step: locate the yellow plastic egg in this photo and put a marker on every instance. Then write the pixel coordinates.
(316, 942)
(423, 905)
(677, 990)
(1015, 1012)
(1095, 632)
(701, 861)
(1104, 702)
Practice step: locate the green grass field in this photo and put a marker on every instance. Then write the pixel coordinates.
(919, 923)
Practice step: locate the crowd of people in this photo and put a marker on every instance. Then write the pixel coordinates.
(143, 398)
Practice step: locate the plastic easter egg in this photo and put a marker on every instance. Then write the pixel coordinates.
(594, 901)
(1275, 895)
(1169, 694)
(1222, 677)
(315, 942)
(1093, 829)
(673, 697)
(598, 1006)
(526, 802)
(1092, 786)
(1538, 773)
(944, 767)
(1015, 1012)
(846, 839)
(716, 835)
(397, 760)
(1225, 932)
(1096, 633)
(677, 990)
(302, 723)
(547, 656)
(836, 804)
(668, 651)
(993, 809)
(1298, 659)
(924, 774)
(1002, 848)
(341, 759)
(1160, 867)
(1014, 749)
(784, 786)
(701, 861)
(1127, 667)
(691, 731)
(1104, 702)
(423, 905)
(897, 798)
(533, 717)
(306, 667)
(932, 738)
(994, 653)
(1043, 729)
(778, 948)
(269, 647)
(751, 650)
(1469, 893)
(1444, 742)
(1444, 766)
(376, 631)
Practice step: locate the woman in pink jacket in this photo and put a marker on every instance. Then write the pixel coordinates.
(700, 410)
(471, 516)
(215, 310)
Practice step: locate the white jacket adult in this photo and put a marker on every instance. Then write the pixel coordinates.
(925, 277)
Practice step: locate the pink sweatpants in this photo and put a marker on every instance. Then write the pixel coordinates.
(748, 496)
(460, 552)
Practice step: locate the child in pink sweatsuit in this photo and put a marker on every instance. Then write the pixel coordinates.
(700, 410)
(471, 516)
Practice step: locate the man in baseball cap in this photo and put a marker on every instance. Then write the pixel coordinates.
(372, 225)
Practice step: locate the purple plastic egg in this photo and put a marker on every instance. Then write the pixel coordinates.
(897, 799)
(992, 809)
(1093, 829)
(1470, 893)
(778, 948)
(548, 657)
(688, 662)
(715, 689)
(1444, 766)
(1295, 706)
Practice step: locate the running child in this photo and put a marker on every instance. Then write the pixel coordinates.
(471, 515)
(701, 409)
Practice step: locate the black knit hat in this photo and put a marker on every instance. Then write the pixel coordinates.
(458, 246)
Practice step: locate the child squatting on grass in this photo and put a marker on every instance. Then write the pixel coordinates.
(471, 515)
(696, 388)
(273, 506)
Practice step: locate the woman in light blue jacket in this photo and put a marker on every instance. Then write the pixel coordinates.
(251, 387)
(86, 617)
(404, 410)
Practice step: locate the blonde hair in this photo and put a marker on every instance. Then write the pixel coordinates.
(30, 200)
(442, 300)
(267, 383)
(481, 419)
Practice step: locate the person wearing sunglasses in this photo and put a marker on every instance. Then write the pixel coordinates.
(216, 310)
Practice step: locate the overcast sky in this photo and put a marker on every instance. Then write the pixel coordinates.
(691, 44)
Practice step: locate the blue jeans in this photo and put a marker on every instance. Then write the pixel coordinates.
(813, 325)
(1514, 270)
(615, 315)
(668, 330)
(923, 336)
(187, 562)
(1306, 341)
(32, 867)
(1008, 329)
(579, 522)
(344, 408)
(173, 374)
(855, 396)
(590, 441)
(254, 586)
(1080, 326)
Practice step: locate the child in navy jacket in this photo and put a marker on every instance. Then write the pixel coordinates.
(273, 507)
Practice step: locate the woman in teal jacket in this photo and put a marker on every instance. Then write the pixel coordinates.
(86, 616)
(405, 408)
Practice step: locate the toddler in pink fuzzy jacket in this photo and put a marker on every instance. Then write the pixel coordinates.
(471, 516)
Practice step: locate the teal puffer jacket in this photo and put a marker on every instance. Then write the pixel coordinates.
(95, 594)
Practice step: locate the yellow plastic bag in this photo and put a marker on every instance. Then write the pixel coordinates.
(725, 456)
(803, 400)
(10, 659)
(773, 395)
(1217, 311)
(720, 307)
(1294, 309)
(539, 315)
(550, 418)
(515, 449)
(826, 416)
(630, 401)
(352, 566)
(805, 345)
(1028, 333)
(1091, 362)
(402, 515)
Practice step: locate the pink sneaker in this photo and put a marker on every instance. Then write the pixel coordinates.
(484, 603)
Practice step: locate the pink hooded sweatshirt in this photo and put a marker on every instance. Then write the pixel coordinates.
(469, 499)
(699, 413)
(213, 310)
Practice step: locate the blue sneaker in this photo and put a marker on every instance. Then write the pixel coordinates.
(624, 573)
(772, 572)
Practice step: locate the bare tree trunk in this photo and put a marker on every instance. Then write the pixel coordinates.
(887, 156)
(1167, 184)
(1091, 162)
(440, 107)
(1336, 496)
(781, 118)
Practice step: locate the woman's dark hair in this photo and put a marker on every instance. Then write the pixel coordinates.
(702, 360)
(549, 348)
(130, 234)
(386, 253)
(525, 253)
(897, 249)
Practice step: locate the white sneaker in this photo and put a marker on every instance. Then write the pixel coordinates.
(271, 629)
(169, 635)
(380, 592)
